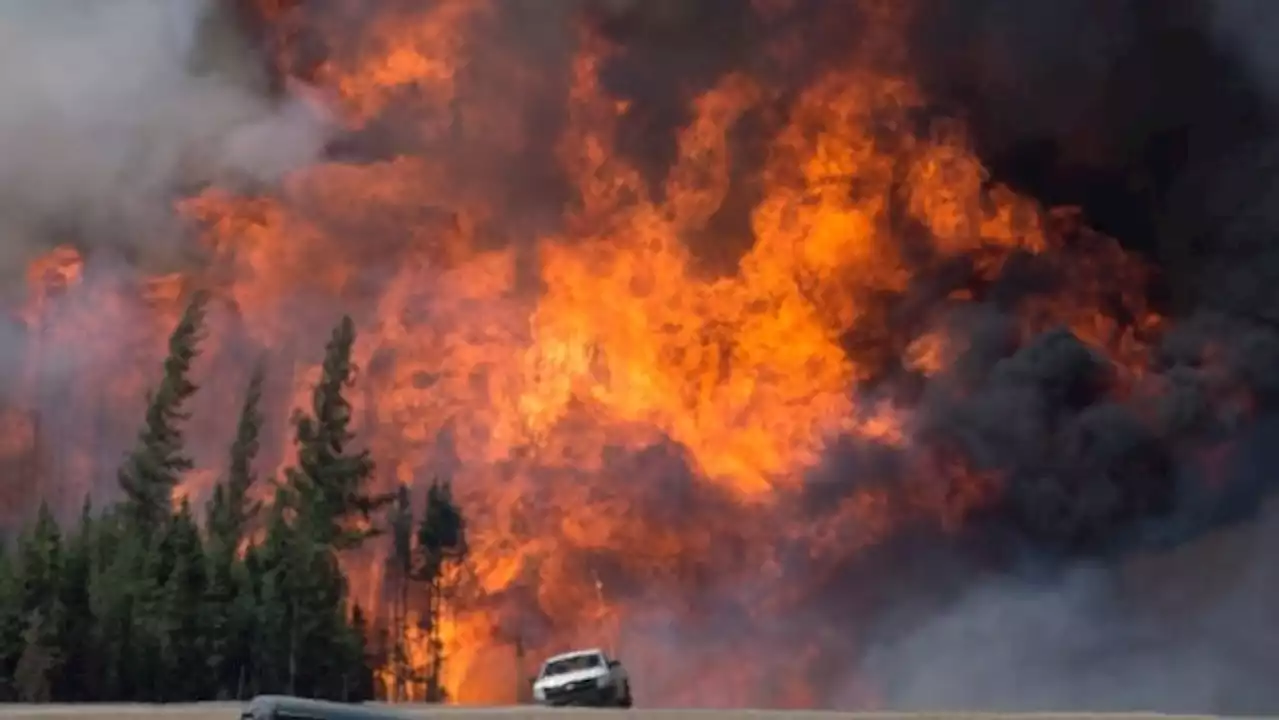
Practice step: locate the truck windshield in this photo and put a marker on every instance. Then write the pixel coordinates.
(571, 664)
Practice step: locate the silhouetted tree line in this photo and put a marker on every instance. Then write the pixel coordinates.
(144, 602)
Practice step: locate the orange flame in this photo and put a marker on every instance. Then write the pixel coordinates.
(572, 380)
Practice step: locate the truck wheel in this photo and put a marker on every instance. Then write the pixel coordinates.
(625, 700)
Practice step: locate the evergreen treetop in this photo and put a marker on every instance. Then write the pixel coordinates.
(154, 467)
(231, 509)
(330, 480)
(442, 534)
(136, 604)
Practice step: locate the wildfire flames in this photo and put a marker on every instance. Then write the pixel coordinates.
(633, 432)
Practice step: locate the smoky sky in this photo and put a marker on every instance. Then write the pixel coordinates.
(110, 110)
(1157, 119)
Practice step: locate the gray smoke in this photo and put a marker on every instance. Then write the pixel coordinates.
(109, 112)
(1192, 629)
(109, 109)
(1124, 566)
(1247, 29)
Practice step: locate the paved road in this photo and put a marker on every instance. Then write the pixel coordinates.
(230, 711)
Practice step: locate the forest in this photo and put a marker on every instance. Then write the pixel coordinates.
(152, 600)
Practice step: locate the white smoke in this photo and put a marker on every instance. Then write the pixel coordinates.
(107, 110)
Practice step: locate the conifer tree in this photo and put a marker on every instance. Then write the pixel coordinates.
(37, 667)
(113, 576)
(42, 558)
(150, 563)
(330, 480)
(231, 508)
(154, 467)
(269, 566)
(229, 595)
(137, 605)
(41, 602)
(442, 534)
(329, 508)
(361, 685)
(442, 546)
(312, 654)
(400, 566)
(11, 623)
(184, 643)
(79, 676)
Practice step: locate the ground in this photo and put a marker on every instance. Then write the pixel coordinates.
(228, 711)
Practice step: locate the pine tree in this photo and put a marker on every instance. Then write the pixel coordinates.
(149, 631)
(270, 569)
(184, 620)
(37, 667)
(330, 481)
(11, 623)
(231, 511)
(361, 662)
(41, 660)
(327, 509)
(319, 640)
(230, 607)
(442, 534)
(41, 557)
(242, 630)
(77, 681)
(115, 570)
(131, 592)
(400, 566)
(154, 467)
(136, 604)
(442, 546)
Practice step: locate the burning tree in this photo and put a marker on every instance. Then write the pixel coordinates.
(732, 330)
(442, 547)
(432, 555)
(400, 571)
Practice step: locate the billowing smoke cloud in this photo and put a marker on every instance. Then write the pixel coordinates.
(1190, 629)
(1102, 578)
(1117, 587)
(110, 112)
(111, 108)
(1064, 593)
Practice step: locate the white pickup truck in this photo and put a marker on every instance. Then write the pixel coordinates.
(582, 677)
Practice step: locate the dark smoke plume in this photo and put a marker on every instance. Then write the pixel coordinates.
(1157, 119)
(1127, 562)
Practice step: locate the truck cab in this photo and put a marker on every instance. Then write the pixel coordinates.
(582, 677)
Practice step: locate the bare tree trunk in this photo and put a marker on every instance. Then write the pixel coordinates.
(435, 651)
(402, 656)
(397, 643)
